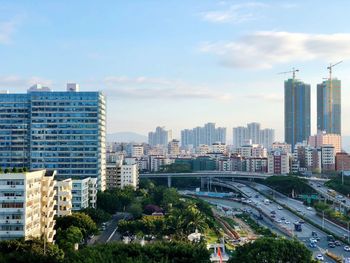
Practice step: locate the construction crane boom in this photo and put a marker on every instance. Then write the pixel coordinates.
(330, 98)
(291, 71)
(330, 67)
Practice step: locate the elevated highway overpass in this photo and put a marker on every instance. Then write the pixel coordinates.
(206, 175)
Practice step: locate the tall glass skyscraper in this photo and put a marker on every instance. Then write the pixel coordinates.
(63, 131)
(329, 106)
(296, 111)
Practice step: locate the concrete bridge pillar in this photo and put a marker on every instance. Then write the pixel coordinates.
(203, 182)
(169, 181)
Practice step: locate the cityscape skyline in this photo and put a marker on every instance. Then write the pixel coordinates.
(208, 75)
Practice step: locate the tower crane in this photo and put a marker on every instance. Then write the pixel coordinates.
(291, 71)
(330, 98)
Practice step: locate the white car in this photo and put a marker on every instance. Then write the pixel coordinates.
(279, 207)
(347, 248)
(287, 222)
(279, 221)
(313, 240)
(319, 257)
(309, 208)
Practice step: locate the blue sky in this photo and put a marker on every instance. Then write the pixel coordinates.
(177, 64)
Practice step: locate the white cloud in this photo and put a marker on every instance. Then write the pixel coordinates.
(7, 29)
(271, 97)
(158, 88)
(265, 48)
(236, 13)
(13, 81)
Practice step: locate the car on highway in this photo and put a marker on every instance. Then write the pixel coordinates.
(312, 244)
(347, 248)
(301, 222)
(273, 212)
(287, 222)
(331, 244)
(330, 238)
(279, 207)
(337, 243)
(313, 240)
(309, 208)
(319, 257)
(279, 221)
(282, 218)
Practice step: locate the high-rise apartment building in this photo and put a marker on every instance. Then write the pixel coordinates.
(267, 137)
(27, 206)
(62, 131)
(208, 135)
(329, 106)
(240, 136)
(296, 111)
(253, 134)
(159, 137)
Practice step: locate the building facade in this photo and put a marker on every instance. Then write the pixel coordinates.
(27, 206)
(329, 106)
(159, 137)
(208, 134)
(63, 197)
(322, 138)
(254, 134)
(62, 131)
(296, 111)
(84, 193)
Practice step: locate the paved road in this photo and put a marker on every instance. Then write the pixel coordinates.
(303, 236)
(300, 208)
(110, 233)
(337, 198)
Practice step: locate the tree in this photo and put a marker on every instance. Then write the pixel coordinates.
(7, 170)
(21, 251)
(66, 239)
(80, 220)
(268, 249)
(164, 252)
(135, 209)
(97, 215)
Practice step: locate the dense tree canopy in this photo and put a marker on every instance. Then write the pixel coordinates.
(272, 250)
(20, 251)
(80, 220)
(97, 215)
(165, 252)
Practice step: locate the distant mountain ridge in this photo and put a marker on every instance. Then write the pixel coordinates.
(126, 137)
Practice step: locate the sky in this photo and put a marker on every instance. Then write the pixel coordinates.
(177, 63)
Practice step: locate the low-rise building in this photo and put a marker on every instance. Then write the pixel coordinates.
(63, 197)
(342, 161)
(278, 163)
(84, 193)
(27, 205)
